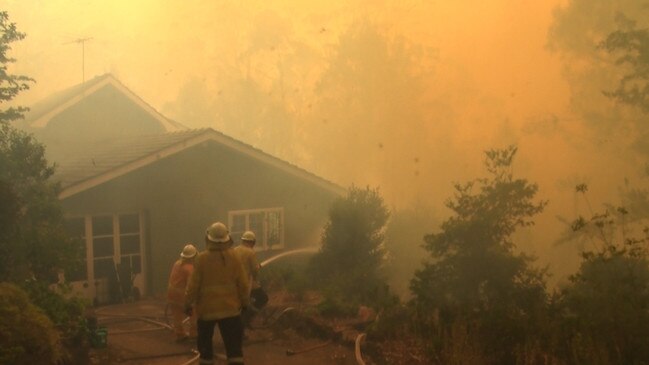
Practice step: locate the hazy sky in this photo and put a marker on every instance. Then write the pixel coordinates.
(154, 49)
(490, 65)
(489, 80)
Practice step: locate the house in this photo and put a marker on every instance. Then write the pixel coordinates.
(136, 196)
(95, 112)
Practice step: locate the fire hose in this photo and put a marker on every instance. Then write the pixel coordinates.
(295, 352)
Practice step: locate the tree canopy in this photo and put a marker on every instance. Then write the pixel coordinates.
(350, 261)
(32, 237)
(473, 274)
(632, 48)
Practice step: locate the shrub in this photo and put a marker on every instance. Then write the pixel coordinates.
(605, 308)
(27, 335)
(350, 262)
(64, 310)
(474, 283)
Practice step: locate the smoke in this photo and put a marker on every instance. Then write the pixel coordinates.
(404, 95)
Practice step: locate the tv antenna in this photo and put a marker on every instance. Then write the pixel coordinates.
(82, 41)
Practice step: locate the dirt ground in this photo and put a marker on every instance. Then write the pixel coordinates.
(137, 334)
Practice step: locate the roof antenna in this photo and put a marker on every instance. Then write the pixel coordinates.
(82, 41)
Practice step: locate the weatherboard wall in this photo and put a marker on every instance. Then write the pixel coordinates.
(183, 193)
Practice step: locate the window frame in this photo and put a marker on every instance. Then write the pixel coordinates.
(117, 256)
(262, 237)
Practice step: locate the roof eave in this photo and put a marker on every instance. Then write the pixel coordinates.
(208, 135)
(44, 119)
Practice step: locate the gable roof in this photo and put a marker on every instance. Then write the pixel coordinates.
(42, 112)
(129, 154)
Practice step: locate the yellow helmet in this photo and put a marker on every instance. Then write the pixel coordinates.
(217, 233)
(248, 236)
(189, 251)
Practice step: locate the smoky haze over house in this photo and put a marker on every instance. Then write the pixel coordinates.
(400, 95)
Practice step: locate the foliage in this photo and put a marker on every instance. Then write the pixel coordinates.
(579, 35)
(290, 275)
(335, 304)
(391, 339)
(65, 311)
(9, 214)
(473, 275)
(33, 243)
(404, 245)
(27, 335)
(257, 94)
(633, 47)
(393, 322)
(605, 309)
(10, 85)
(350, 261)
(374, 83)
(32, 238)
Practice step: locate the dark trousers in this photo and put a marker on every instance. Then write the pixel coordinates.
(258, 300)
(231, 330)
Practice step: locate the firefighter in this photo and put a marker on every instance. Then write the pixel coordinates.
(217, 292)
(180, 273)
(246, 253)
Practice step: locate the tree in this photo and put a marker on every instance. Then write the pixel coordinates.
(403, 242)
(372, 87)
(349, 264)
(582, 33)
(256, 96)
(633, 47)
(33, 243)
(604, 309)
(474, 277)
(10, 85)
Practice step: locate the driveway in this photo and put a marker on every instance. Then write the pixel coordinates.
(138, 334)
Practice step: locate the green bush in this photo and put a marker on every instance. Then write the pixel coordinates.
(350, 262)
(27, 335)
(605, 308)
(333, 305)
(475, 284)
(392, 322)
(289, 274)
(64, 310)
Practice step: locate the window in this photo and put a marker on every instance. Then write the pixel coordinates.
(267, 224)
(76, 229)
(115, 241)
(103, 248)
(113, 266)
(129, 242)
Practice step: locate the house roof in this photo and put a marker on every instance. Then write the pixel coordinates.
(42, 112)
(129, 154)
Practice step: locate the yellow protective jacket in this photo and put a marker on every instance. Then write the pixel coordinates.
(180, 273)
(248, 258)
(218, 287)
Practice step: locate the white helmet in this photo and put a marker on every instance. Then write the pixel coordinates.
(248, 236)
(217, 233)
(189, 251)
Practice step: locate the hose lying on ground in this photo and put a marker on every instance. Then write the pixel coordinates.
(310, 348)
(357, 349)
(144, 319)
(195, 358)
